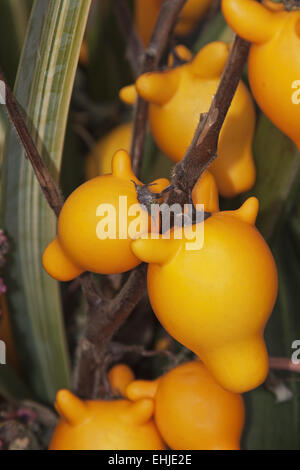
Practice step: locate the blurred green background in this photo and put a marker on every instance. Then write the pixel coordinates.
(39, 49)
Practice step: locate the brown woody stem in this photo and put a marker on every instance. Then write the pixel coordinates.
(44, 177)
(283, 363)
(153, 54)
(134, 50)
(105, 321)
(47, 183)
(104, 317)
(203, 149)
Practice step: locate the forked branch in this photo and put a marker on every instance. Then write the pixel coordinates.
(47, 183)
(104, 317)
(153, 54)
(203, 149)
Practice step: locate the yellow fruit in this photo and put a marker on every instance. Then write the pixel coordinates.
(178, 96)
(96, 227)
(274, 62)
(99, 160)
(192, 412)
(120, 376)
(205, 192)
(146, 12)
(104, 425)
(216, 298)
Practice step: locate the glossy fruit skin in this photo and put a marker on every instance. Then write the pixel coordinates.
(217, 300)
(98, 162)
(192, 412)
(146, 12)
(120, 376)
(205, 192)
(174, 116)
(104, 425)
(78, 247)
(274, 62)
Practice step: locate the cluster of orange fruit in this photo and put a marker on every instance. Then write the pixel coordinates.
(215, 300)
(173, 411)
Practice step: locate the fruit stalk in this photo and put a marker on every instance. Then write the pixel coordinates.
(134, 50)
(47, 183)
(203, 149)
(150, 60)
(103, 321)
(104, 316)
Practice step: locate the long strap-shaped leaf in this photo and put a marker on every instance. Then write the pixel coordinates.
(278, 170)
(43, 88)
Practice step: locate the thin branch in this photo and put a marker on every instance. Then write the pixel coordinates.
(103, 323)
(105, 317)
(283, 363)
(117, 351)
(139, 133)
(91, 290)
(203, 149)
(162, 33)
(47, 183)
(153, 54)
(145, 62)
(44, 177)
(134, 49)
(123, 303)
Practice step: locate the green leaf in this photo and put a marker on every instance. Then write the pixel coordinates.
(108, 69)
(272, 425)
(43, 88)
(11, 386)
(216, 30)
(278, 167)
(294, 222)
(277, 163)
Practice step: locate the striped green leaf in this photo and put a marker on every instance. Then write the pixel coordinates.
(11, 386)
(43, 88)
(278, 169)
(272, 425)
(277, 187)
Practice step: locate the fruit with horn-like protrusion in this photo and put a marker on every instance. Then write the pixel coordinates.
(216, 297)
(205, 192)
(192, 411)
(98, 162)
(180, 95)
(120, 376)
(274, 61)
(146, 13)
(97, 224)
(104, 425)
